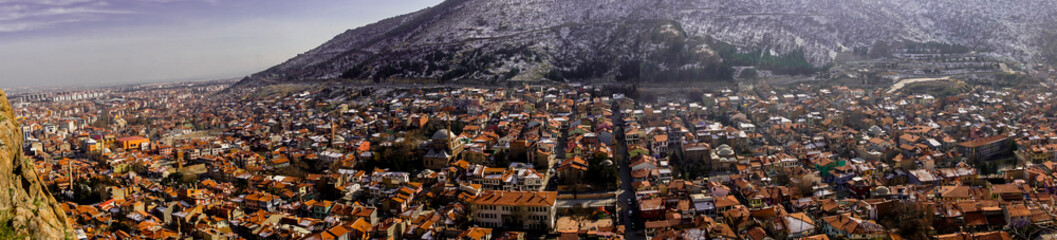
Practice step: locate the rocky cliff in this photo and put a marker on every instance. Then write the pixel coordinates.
(25, 204)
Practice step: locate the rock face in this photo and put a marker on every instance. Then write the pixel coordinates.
(24, 201)
(621, 39)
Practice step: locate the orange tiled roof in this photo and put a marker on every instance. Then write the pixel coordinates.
(516, 198)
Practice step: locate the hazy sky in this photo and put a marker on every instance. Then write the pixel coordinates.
(103, 42)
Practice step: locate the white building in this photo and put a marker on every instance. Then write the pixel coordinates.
(515, 209)
(510, 179)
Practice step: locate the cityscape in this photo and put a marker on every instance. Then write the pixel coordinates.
(566, 161)
(528, 119)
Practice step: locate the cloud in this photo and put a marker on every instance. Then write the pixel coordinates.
(57, 13)
(62, 2)
(18, 17)
(172, 1)
(47, 2)
(11, 27)
(28, 15)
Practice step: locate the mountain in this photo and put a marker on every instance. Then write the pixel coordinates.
(497, 40)
(26, 207)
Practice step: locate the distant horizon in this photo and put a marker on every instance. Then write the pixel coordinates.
(10, 90)
(101, 43)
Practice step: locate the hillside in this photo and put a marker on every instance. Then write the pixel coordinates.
(649, 40)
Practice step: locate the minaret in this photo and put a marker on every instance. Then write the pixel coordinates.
(451, 140)
(69, 172)
(333, 132)
(180, 161)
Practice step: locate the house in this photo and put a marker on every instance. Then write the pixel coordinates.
(923, 176)
(993, 235)
(703, 204)
(954, 193)
(572, 170)
(519, 177)
(798, 225)
(1007, 192)
(847, 227)
(659, 144)
(476, 233)
(643, 162)
(261, 201)
(652, 209)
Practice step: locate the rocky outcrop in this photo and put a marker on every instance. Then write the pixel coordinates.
(25, 203)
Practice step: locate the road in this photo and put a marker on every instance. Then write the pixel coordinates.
(908, 81)
(559, 153)
(629, 214)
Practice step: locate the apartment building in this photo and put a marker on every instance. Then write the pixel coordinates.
(984, 148)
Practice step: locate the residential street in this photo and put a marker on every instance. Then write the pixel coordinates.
(629, 214)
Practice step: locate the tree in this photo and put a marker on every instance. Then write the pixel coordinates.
(91, 191)
(805, 185)
(179, 179)
(1050, 50)
(293, 171)
(139, 168)
(600, 174)
(400, 156)
(103, 121)
(880, 49)
(781, 178)
(1013, 147)
(327, 191)
(908, 164)
(750, 73)
(499, 159)
(1022, 229)
(909, 219)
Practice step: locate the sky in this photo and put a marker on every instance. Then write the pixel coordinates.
(86, 43)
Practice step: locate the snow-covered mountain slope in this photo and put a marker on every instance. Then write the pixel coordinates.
(652, 39)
